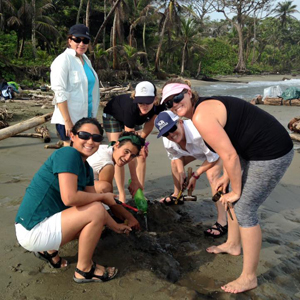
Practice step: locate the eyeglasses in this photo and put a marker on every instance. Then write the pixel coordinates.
(173, 129)
(83, 135)
(177, 98)
(78, 40)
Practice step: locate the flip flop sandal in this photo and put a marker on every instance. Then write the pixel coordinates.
(172, 200)
(218, 227)
(92, 277)
(49, 259)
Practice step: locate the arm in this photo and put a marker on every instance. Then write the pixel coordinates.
(148, 126)
(72, 197)
(202, 169)
(63, 108)
(121, 213)
(210, 118)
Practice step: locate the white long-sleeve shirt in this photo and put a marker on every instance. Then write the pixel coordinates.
(69, 83)
(195, 145)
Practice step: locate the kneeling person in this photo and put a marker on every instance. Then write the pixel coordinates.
(184, 144)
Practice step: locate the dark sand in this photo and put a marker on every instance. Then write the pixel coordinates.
(169, 261)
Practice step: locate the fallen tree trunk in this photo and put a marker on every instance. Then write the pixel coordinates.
(25, 125)
(295, 136)
(44, 131)
(34, 135)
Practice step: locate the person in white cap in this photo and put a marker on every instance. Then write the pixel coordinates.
(184, 144)
(128, 113)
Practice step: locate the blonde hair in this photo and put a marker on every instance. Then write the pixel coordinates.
(195, 95)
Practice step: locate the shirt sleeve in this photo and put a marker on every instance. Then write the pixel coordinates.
(59, 79)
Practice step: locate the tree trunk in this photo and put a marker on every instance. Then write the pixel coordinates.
(79, 12)
(105, 22)
(241, 66)
(20, 54)
(87, 14)
(160, 43)
(104, 31)
(33, 26)
(20, 127)
(144, 40)
(183, 58)
(114, 43)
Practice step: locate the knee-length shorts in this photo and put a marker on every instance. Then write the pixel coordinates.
(259, 179)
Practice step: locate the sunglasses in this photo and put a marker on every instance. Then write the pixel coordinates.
(174, 128)
(78, 40)
(83, 135)
(176, 99)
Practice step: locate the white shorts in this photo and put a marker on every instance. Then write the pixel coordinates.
(42, 237)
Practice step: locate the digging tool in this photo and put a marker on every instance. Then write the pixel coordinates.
(189, 196)
(217, 197)
(126, 205)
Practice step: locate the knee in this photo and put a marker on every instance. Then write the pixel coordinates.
(97, 211)
(103, 187)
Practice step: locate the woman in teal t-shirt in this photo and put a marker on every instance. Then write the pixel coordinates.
(61, 204)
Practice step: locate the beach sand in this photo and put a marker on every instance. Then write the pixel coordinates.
(169, 261)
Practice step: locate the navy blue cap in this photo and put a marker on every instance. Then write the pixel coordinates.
(80, 30)
(165, 121)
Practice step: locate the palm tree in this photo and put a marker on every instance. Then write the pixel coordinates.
(284, 11)
(170, 19)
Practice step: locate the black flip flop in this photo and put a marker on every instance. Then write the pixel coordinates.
(222, 229)
(173, 200)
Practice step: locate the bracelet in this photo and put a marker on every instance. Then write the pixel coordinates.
(195, 176)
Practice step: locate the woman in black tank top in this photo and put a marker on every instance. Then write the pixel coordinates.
(242, 134)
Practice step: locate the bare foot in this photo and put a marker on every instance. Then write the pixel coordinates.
(224, 248)
(240, 285)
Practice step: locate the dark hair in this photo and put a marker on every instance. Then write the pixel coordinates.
(83, 121)
(133, 138)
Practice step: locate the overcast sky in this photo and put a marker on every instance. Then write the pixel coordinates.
(219, 16)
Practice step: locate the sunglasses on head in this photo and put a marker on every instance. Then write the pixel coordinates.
(83, 135)
(173, 129)
(78, 40)
(177, 98)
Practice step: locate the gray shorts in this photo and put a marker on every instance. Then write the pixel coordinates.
(258, 181)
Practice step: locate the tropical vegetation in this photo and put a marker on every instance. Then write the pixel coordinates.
(135, 39)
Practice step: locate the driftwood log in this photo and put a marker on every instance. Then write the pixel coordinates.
(58, 145)
(44, 131)
(280, 101)
(108, 92)
(25, 125)
(33, 135)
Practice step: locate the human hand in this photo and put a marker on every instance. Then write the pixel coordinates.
(68, 127)
(134, 186)
(122, 228)
(222, 184)
(228, 199)
(144, 151)
(192, 183)
(134, 223)
(109, 198)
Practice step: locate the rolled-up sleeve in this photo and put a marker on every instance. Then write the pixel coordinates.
(59, 79)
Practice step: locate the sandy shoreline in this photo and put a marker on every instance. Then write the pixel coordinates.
(171, 264)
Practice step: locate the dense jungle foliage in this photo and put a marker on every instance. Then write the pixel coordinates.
(151, 39)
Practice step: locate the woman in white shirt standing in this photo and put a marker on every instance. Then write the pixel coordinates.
(75, 83)
(184, 144)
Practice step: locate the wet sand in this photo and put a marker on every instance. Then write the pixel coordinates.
(170, 262)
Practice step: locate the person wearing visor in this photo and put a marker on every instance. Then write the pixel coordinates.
(135, 112)
(61, 205)
(75, 83)
(103, 162)
(256, 151)
(184, 144)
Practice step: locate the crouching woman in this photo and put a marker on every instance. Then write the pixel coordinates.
(61, 205)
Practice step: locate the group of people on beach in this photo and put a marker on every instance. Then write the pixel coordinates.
(245, 152)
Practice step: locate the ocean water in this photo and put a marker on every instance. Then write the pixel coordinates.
(244, 90)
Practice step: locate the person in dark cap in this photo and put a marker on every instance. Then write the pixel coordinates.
(128, 113)
(74, 82)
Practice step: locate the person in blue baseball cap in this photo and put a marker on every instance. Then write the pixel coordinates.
(184, 144)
